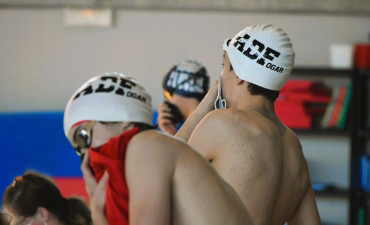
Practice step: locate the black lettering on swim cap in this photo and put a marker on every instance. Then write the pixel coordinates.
(274, 67)
(241, 44)
(267, 55)
(131, 94)
(124, 84)
(270, 51)
(127, 84)
(260, 46)
(102, 88)
(120, 91)
(261, 61)
(86, 91)
(135, 96)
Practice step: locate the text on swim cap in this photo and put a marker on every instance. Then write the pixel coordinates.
(268, 53)
(110, 84)
(180, 80)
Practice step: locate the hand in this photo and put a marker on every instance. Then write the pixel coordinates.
(96, 191)
(165, 124)
(97, 200)
(207, 103)
(205, 106)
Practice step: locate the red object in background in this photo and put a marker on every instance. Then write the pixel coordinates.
(305, 91)
(293, 114)
(306, 97)
(299, 101)
(296, 121)
(362, 56)
(297, 85)
(288, 107)
(72, 186)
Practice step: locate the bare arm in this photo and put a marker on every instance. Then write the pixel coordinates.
(149, 178)
(307, 212)
(205, 106)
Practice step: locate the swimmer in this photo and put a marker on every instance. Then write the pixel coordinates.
(244, 139)
(184, 87)
(135, 174)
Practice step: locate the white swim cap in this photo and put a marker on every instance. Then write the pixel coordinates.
(110, 97)
(261, 54)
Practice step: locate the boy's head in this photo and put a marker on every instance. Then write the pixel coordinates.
(112, 99)
(261, 54)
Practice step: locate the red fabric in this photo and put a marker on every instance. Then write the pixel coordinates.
(305, 97)
(111, 157)
(297, 121)
(304, 91)
(288, 107)
(71, 186)
(300, 101)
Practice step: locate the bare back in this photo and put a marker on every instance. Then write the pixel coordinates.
(261, 158)
(169, 179)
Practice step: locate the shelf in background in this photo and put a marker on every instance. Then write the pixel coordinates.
(333, 194)
(364, 133)
(364, 72)
(359, 193)
(326, 132)
(325, 71)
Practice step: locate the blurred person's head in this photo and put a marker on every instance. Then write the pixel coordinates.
(185, 84)
(34, 198)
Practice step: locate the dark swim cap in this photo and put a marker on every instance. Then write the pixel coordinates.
(188, 79)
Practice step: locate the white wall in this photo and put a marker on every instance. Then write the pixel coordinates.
(42, 62)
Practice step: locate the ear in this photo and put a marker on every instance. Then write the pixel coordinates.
(238, 80)
(126, 125)
(43, 213)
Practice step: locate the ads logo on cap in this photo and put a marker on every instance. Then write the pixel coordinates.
(108, 84)
(258, 48)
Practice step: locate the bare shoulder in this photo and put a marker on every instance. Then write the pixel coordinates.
(155, 142)
(292, 139)
(230, 132)
(237, 123)
(221, 121)
(211, 131)
(148, 151)
(148, 137)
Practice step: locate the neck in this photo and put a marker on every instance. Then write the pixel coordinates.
(243, 100)
(52, 221)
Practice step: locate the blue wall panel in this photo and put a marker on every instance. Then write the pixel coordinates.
(35, 141)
